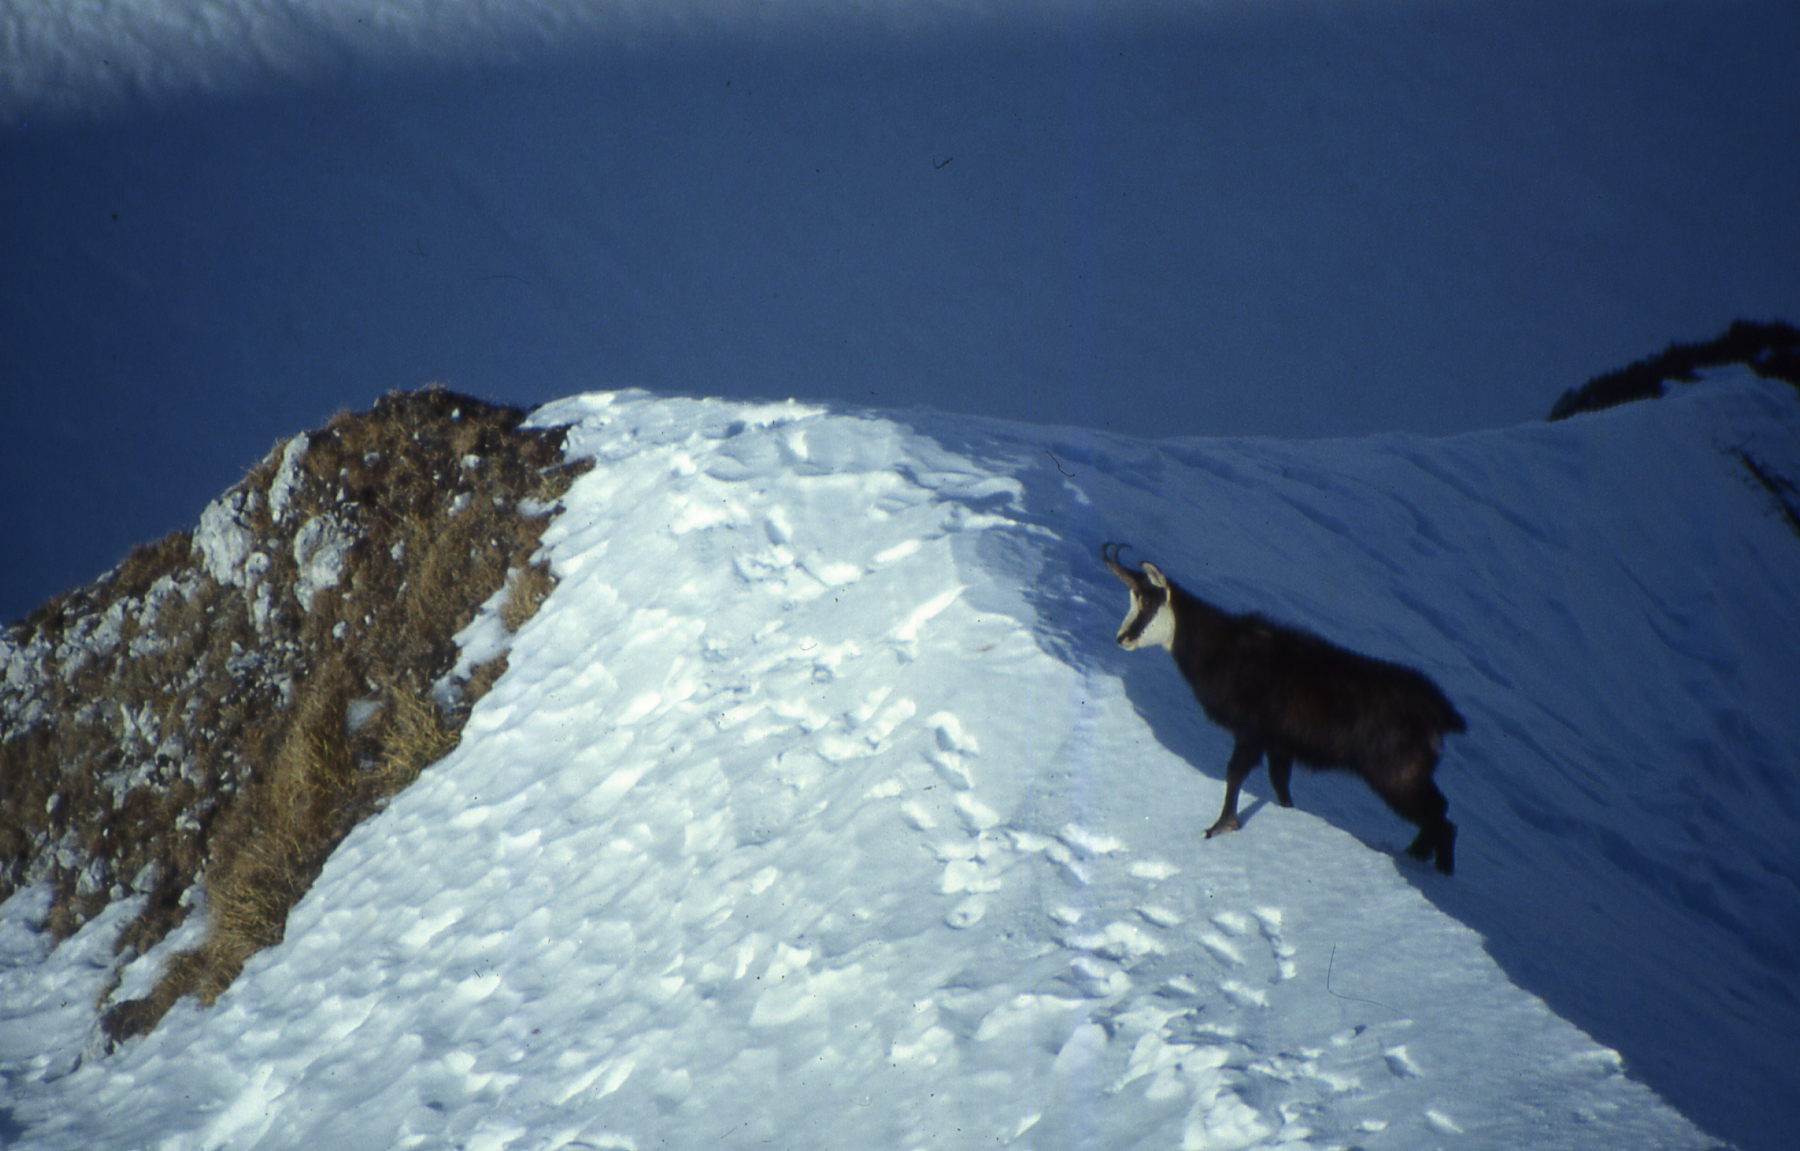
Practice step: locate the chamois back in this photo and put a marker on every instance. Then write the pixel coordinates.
(1299, 692)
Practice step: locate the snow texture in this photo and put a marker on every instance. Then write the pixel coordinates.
(817, 808)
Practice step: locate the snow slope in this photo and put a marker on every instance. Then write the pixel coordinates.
(818, 809)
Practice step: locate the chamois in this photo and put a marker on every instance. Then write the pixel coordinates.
(1290, 695)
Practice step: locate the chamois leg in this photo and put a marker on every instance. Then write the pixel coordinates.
(1244, 758)
(1281, 769)
(1438, 841)
(1416, 798)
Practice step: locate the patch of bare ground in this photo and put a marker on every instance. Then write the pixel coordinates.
(219, 710)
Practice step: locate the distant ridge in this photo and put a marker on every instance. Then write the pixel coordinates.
(1770, 349)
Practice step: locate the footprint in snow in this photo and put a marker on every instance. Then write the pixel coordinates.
(1236, 928)
(952, 748)
(1153, 870)
(1269, 919)
(1400, 1063)
(967, 912)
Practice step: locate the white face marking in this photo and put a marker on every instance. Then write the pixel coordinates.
(1158, 632)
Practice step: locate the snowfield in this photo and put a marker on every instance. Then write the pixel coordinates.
(817, 809)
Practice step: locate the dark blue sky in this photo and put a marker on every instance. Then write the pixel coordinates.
(1293, 219)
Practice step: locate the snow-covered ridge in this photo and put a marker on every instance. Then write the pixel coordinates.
(816, 804)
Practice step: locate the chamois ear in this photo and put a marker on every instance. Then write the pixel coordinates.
(1157, 579)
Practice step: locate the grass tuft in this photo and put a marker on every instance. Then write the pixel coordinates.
(225, 705)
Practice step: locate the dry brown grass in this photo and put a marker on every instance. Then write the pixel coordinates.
(177, 730)
(529, 589)
(414, 734)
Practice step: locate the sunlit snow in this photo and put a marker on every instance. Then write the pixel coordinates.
(817, 808)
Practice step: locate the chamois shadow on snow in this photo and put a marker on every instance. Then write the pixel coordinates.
(1558, 871)
(1074, 606)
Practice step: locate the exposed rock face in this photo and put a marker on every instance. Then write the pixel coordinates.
(214, 714)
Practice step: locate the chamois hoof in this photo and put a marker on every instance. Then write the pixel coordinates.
(1229, 823)
(1446, 850)
(1437, 845)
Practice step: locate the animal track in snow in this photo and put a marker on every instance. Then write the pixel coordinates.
(1269, 918)
(1141, 992)
(967, 912)
(1094, 977)
(1192, 1047)
(1221, 949)
(951, 749)
(1441, 1123)
(973, 865)
(978, 816)
(866, 729)
(1234, 927)
(1118, 940)
(1400, 1063)
(1087, 843)
(1160, 916)
(1151, 869)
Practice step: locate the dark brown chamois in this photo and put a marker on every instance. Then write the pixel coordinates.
(1290, 695)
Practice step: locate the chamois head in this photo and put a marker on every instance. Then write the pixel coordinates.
(1150, 620)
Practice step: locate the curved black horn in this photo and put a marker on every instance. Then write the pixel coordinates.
(1112, 561)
